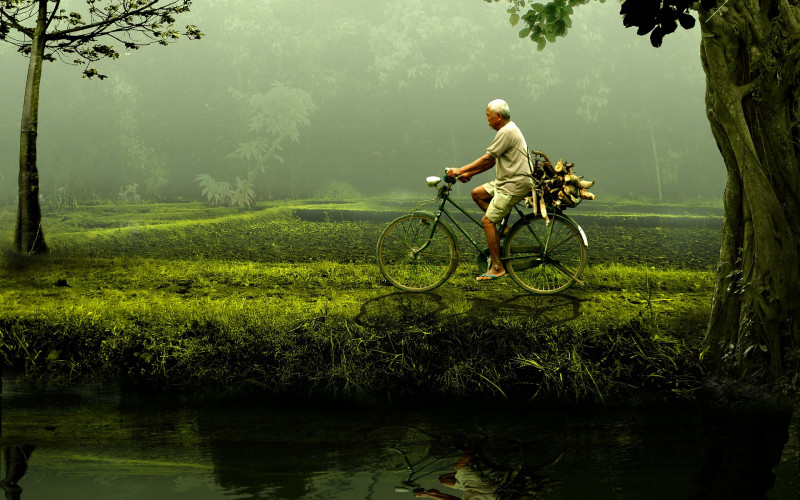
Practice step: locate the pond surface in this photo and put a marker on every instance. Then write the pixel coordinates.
(103, 443)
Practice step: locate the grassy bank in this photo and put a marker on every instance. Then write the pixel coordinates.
(189, 298)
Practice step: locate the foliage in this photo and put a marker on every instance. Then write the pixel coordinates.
(141, 161)
(416, 44)
(545, 22)
(216, 191)
(76, 35)
(185, 296)
(62, 201)
(197, 324)
(275, 116)
(128, 194)
(338, 190)
(660, 18)
(243, 195)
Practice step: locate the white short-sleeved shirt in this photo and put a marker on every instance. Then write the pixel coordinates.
(509, 150)
(476, 486)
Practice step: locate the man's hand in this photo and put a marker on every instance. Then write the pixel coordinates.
(459, 174)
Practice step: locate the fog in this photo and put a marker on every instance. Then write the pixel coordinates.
(364, 98)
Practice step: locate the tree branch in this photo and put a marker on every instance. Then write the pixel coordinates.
(792, 66)
(744, 90)
(68, 33)
(52, 14)
(13, 22)
(753, 27)
(791, 14)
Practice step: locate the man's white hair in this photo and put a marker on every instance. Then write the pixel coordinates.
(500, 107)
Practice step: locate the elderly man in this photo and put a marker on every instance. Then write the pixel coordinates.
(512, 182)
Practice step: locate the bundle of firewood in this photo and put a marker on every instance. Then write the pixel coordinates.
(556, 186)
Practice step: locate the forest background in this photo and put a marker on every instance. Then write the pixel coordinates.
(288, 100)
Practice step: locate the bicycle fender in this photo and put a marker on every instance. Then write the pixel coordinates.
(423, 212)
(583, 235)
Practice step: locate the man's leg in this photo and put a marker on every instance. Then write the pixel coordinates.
(493, 239)
(481, 197)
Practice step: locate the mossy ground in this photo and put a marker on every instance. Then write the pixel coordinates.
(186, 297)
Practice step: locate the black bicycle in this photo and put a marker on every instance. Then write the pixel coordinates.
(418, 252)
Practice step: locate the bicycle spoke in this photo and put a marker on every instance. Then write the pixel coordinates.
(555, 266)
(552, 248)
(406, 266)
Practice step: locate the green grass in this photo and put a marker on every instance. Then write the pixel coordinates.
(184, 297)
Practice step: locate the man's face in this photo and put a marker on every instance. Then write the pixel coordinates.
(495, 120)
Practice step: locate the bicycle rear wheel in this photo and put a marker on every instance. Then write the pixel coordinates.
(545, 259)
(416, 253)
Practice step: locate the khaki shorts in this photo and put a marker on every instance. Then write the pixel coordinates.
(501, 203)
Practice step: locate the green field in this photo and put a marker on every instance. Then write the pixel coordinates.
(287, 298)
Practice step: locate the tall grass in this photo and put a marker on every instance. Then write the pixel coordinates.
(188, 299)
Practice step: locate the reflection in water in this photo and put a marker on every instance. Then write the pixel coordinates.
(91, 445)
(15, 464)
(507, 464)
(479, 477)
(743, 443)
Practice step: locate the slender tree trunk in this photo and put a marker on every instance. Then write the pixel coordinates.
(28, 236)
(655, 159)
(750, 52)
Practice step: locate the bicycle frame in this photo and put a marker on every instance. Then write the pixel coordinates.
(444, 195)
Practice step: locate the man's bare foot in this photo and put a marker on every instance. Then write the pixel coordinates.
(490, 277)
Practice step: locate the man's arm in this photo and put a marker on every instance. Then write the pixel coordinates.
(466, 172)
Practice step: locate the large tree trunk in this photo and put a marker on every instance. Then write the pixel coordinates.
(750, 51)
(28, 236)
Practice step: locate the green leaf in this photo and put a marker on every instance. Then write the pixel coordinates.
(537, 7)
(550, 37)
(551, 12)
(559, 28)
(540, 43)
(525, 33)
(514, 19)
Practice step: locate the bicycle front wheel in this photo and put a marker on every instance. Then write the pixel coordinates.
(545, 259)
(416, 253)
(393, 448)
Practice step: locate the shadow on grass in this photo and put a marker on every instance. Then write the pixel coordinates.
(408, 308)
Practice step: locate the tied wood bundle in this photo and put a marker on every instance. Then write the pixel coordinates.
(556, 185)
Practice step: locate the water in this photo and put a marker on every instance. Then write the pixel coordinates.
(102, 443)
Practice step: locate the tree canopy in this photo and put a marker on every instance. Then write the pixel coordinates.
(99, 32)
(545, 22)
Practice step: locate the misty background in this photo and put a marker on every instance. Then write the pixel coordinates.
(344, 99)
